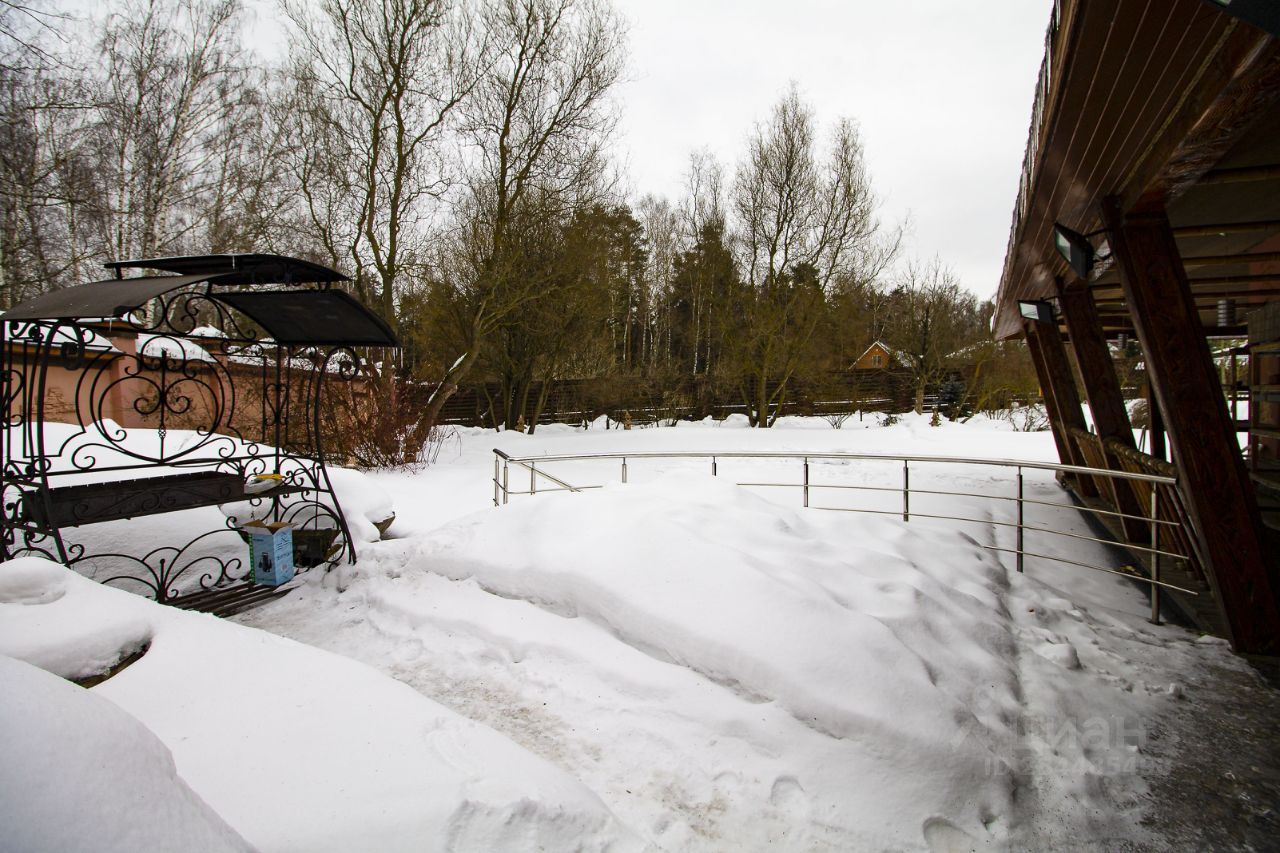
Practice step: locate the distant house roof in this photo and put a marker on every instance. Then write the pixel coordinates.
(894, 357)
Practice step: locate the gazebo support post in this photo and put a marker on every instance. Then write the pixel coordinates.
(1106, 401)
(1211, 474)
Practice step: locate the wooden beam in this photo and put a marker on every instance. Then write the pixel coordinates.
(1046, 392)
(1245, 175)
(1229, 260)
(1222, 229)
(1228, 280)
(1155, 426)
(1205, 294)
(1211, 475)
(1227, 285)
(1206, 301)
(1106, 401)
(1061, 399)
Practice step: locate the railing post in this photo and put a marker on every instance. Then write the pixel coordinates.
(1021, 520)
(1155, 556)
(495, 479)
(906, 491)
(533, 478)
(506, 481)
(806, 481)
(624, 469)
(713, 466)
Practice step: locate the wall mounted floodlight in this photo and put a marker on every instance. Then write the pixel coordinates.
(1075, 248)
(1037, 310)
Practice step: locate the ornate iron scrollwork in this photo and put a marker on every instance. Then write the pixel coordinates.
(110, 421)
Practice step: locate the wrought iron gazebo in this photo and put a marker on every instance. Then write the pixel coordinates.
(130, 397)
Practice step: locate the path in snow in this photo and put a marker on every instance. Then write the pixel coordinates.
(1220, 785)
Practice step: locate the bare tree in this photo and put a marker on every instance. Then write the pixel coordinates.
(141, 148)
(704, 201)
(932, 320)
(171, 82)
(794, 210)
(801, 223)
(46, 177)
(46, 171)
(537, 123)
(660, 224)
(253, 206)
(377, 81)
(702, 214)
(25, 31)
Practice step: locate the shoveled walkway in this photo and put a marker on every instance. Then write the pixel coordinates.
(1221, 756)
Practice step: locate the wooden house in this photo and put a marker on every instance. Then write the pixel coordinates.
(878, 356)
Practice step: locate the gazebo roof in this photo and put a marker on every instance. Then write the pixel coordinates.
(238, 269)
(244, 282)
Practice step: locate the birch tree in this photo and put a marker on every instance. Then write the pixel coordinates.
(377, 83)
(170, 85)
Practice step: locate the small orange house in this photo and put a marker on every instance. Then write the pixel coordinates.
(877, 357)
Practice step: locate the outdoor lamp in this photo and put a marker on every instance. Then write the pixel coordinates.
(1038, 310)
(1075, 248)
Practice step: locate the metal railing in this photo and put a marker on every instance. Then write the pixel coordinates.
(503, 491)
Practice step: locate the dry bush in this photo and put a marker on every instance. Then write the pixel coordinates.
(378, 422)
(1032, 418)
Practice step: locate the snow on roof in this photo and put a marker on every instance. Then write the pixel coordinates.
(207, 332)
(893, 354)
(94, 342)
(173, 347)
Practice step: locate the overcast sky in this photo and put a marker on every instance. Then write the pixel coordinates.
(942, 90)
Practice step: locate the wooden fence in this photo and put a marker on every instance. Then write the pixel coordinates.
(647, 400)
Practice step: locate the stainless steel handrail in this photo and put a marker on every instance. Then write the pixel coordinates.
(502, 493)
(886, 457)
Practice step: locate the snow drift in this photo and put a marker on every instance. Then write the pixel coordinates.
(295, 748)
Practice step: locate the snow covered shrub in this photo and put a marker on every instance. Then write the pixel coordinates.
(888, 419)
(1138, 414)
(1031, 418)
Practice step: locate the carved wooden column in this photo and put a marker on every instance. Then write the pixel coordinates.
(1211, 474)
(1106, 402)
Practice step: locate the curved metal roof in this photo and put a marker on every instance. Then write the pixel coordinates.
(317, 316)
(251, 268)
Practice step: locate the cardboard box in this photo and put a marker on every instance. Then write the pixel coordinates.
(270, 552)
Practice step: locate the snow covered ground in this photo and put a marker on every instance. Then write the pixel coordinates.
(678, 662)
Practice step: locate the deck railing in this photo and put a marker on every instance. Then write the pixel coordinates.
(1161, 524)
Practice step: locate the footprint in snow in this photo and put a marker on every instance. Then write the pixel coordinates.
(788, 795)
